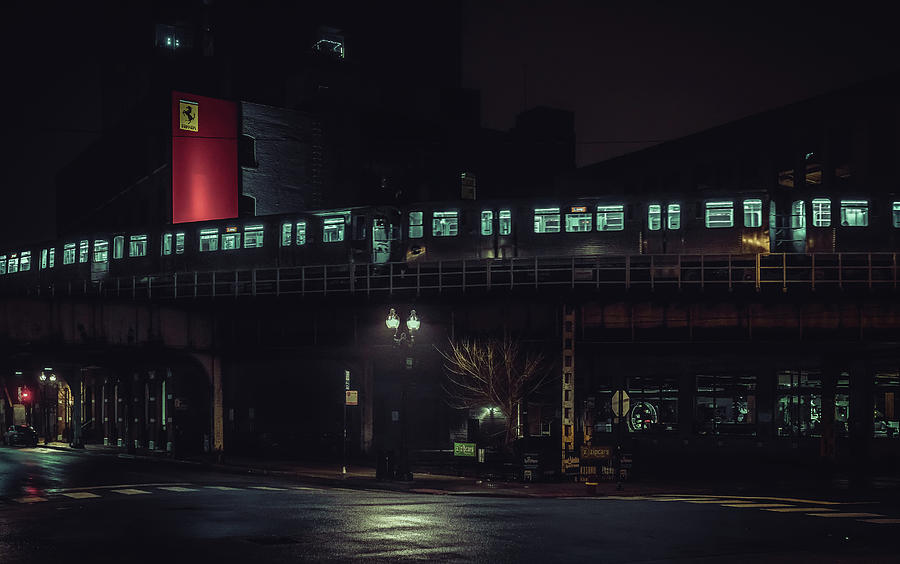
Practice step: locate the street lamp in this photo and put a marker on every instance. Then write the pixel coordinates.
(412, 325)
(46, 382)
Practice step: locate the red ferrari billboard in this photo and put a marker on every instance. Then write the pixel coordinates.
(204, 158)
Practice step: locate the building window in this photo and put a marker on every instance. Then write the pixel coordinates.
(610, 218)
(895, 209)
(416, 230)
(43, 259)
(179, 243)
(209, 240)
(25, 262)
(505, 222)
(69, 253)
(654, 217)
(167, 244)
(231, 239)
(887, 406)
(726, 405)
(546, 220)
(253, 237)
(854, 213)
(719, 214)
(118, 246)
(286, 234)
(301, 232)
(654, 403)
(673, 217)
(137, 246)
(753, 213)
(333, 230)
(487, 222)
(821, 212)
(578, 222)
(799, 404)
(101, 251)
(83, 250)
(2, 265)
(445, 224)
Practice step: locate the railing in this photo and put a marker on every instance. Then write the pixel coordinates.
(786, 272)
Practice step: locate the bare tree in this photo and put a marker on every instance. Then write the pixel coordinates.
(492, 372)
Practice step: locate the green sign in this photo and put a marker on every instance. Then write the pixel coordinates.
(464, 449)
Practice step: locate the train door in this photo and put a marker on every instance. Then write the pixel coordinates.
(100, 260)
(487, 246)
(506, 238)
(381, 240)
(787, 227)
(661, 226)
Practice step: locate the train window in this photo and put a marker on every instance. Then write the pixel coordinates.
(416, 230)
(83, 249)
(895, 208)
(719, 214)
(167, 244)
(578, 222)
(821, 212)
(854, 213)
(301, 232)
(25, 261)
(654, 217)
(673, 217)
(43, 259)
(231, 240)
(487, 222)
(209, 240)
(51, 255)
(137, 246)
(505, 222)
(546, 220)
(333, 230)
(753, 213)
(286, 234)
(610, 218)
(179, 243)
(2, 265)
(13, 266)
(445, 224)
(69, 253)
(118, 246)
(101, 251)
(253, 236)
(798, 215)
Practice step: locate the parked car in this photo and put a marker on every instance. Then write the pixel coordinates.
(21, 435)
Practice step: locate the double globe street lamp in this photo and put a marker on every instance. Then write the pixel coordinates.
(400, 338)
(46, 381)
(412, 325)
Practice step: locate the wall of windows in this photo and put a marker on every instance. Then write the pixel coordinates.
(821, 212)
(546, 220)
(854, 213)
(445, 224)
(610, 218)
(725, 405)
(719, 214)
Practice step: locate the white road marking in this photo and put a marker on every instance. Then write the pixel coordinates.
(178, 489)
(222, 488)
(119, 486)
(755, 505)
(881, 521)
(80, 495)
(800, 509)
(130, 491)
(846, 515)
(311, 489)
(268, 489)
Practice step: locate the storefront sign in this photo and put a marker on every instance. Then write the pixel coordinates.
(596, 452)
(464, 449)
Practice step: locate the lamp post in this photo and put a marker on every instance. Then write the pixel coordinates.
(403, 338)
(47, 381)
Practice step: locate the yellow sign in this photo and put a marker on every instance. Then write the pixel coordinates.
(188, 115)
(352, 397)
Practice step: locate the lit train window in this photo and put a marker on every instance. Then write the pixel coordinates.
(51, 256)
(13, 266)
(209, 240)
(487, 222)
(167, 244)
(854, 213)
(753, 213)
(505, 222)
(179, 243)
(253, 236)
(578, 222)
(83, 249)
(25, 261)
(895, 208)
(118, 246)
(333, 230)
(2, 265)
(654, 217)
(416, 230)
(445, 224)
(610, 218)
(43, 259)
(546, 220)
(821, 212)
(719, 214)
(798, 215)
(673, 217)
(231, 239)
(69, 253)
(301, 232)
(286, 234)
(137, 246)
(101, 251)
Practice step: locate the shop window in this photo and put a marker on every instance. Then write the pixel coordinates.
(416, 229)
(854, 213)
(610, 218)
(821, 212)
(887, 408)
(118, 246)
(301, 233)
(286, 234)
(137, 246)
(753, 213)
(505, 222)
(487, 222)
(654, 404)
(167, 244)
(895, 214)
(84, 248)
(69, 253)
(209, 240)
(253, 237)
(725, 405)
(25, 261)
(578, 222)
(654, 217)
(719, 214)
(798, 404)
(673, 217)
(231, 239)
(179, 243)
(101, 251)
(546, 220)
(333, 230)
(445, 224)
(2, 265)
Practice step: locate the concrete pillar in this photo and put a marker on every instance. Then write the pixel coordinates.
(152, 410)
(366, 407)
(166, 409)
(218, 423)
(104, 411)
(76, 383)
(861, 418)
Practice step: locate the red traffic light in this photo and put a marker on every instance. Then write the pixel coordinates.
(26, 395)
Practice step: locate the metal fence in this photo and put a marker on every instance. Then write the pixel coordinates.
(840, 271)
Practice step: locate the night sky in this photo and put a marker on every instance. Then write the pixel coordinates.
(634, 74)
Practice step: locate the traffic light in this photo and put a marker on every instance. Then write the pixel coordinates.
(26, 395)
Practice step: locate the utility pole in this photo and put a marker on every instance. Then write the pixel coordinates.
(344, 434)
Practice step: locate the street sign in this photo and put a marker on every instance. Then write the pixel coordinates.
(621, 396)
(352, 397)
(464, 449)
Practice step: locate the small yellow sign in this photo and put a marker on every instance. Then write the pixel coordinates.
(352, 397)
(188, 115)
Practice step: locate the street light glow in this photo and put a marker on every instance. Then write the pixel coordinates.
(413, 322)
(392, 320)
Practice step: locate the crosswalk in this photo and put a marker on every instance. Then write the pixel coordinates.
(97, 492)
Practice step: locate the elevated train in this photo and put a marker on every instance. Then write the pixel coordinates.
(737, 224)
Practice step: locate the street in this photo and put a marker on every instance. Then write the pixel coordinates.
(58, 504)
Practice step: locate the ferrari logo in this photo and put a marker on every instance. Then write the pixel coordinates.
(189, 117)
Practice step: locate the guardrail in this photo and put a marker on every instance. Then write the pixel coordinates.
(840, 271)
